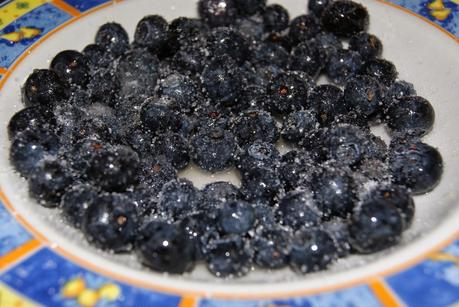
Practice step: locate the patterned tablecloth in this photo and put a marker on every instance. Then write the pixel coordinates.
(31, 273)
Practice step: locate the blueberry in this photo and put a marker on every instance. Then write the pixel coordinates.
(365, 95)
(338, 230)
(345, 18)
(393, 195)
(235, 217)
(104, 86)
(297, 125)
(183, 90)
(382, 70)
(137, 73)
(328, 42)
(272, 247)
(415, 165)
(197, 227)
(220, 192)
(179, 198)
(113, 169)
(165, 248)
(316, 7)
(30, 148)
(31, 118)
(303, 28)
(275, 18)
(261, 184)
(44, 87)
(174, 148)
(343, 65)
(375, 226)
(48, 182)
(97, 57)
(152, 33)
(71, 66)
(158, 117)
(221, 79)
(214, 149)
(228, 256)
(312, 250)
(400, 89)
(255, 125)
(328, 102)
(154, 173)
(191, 57)
(217, 13)
(296, 169)
(76, 201)
(270, 54)
(113, 38)
(411, 115)
(335, 192)
(250, 28)
(367, 45)
(250, 7)
(288, 92)
(183, 31)
(258, 154)
(307, 57)
(298, 209)
(229, 42)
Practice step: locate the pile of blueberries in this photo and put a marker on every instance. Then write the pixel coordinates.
(105, 132)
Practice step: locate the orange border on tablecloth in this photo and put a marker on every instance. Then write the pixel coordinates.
(66, 8)
(191, 296)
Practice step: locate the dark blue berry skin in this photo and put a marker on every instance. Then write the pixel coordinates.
(229, 42)
(415, 165)
(152, 33)
(217, 13)
(31, 118)
(138, 72)
(317, 7)
(183, 90)
(190, 57)
(235, 217)
(76, 201)
(343, 65)
(214, 150)
(297, 125)
(345, 18)
(184, 31)
(250, 7)
(111, 223)
(375, 226)
(296, 169)
(328, 42)
(154, 173)
(298, 209)
(228, 256)
(157, 117)
(258, 154)
(367, 45)
(113, 38)
(221, 79)
(104, 87)
(303, 28)
(365, 95)
(288, 92)
(338, 230)
(250, 28)
(335, 192)
(198, 226)
(71, 66)
(312, 250)
(394, 195)
(411, 115)
(30, 148)
(400, 89)
(165, 248)
(114, 169)
(44, 87)
(179, 198)
(255, 125)
(219, 192)
(270, 54)
(261, 184)
(49, 181)
(97, 57)
(275, 18)
(382, 70)
(173, 148)
(328, 103)
(272, 247)
(307, 57)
